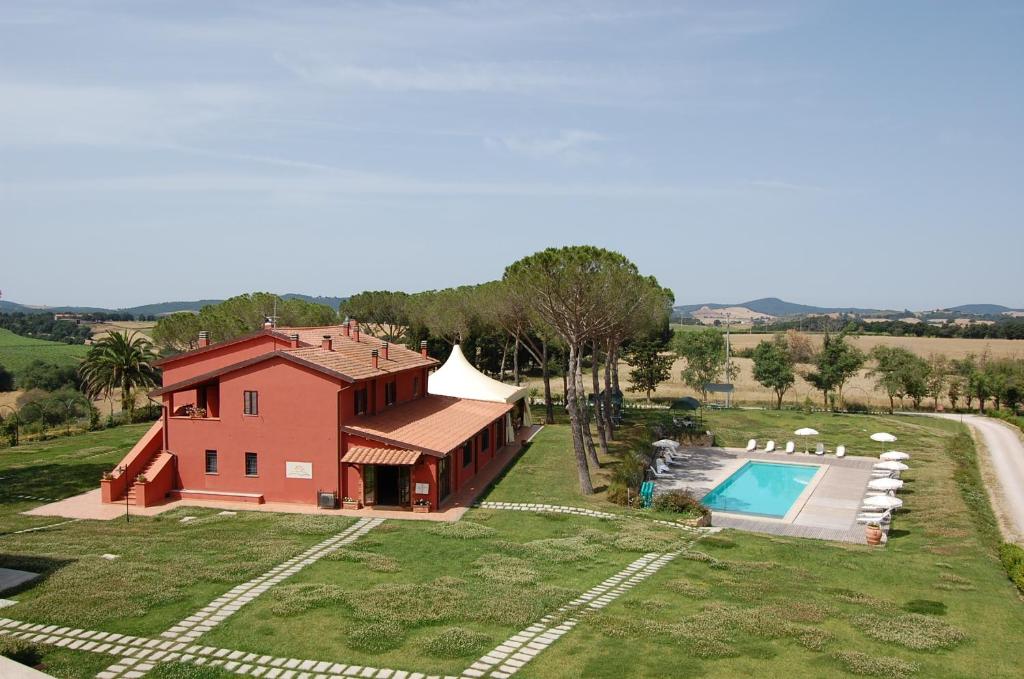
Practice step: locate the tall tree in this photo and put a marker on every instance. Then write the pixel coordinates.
(773, 367)
(120, 360)
(704, 351)
(649, 367)
(570, 289)
(382, 313)
(834, 365)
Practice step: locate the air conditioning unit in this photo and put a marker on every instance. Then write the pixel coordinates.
(325, 500)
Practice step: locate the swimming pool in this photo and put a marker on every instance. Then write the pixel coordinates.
(761, 488)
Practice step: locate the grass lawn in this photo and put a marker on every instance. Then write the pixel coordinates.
(781, 607)
(434, 597)
(16, 351)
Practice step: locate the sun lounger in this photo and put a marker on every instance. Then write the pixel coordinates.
(646, 493)
(880, 517)
(790, 447)
(769, 447)
(751, 445)
(659, 475)
(662, 467)
(819, 449)
(841, 451)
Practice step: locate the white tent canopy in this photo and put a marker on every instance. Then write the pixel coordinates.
(458, 378)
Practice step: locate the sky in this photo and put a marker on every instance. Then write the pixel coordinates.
(832, 153)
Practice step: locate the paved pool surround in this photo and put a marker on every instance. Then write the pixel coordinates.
(827, 510)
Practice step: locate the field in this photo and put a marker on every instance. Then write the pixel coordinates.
(16, 351)
(860, 389)
(433, 597)
(144, 328)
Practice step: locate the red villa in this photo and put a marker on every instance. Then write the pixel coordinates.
(315, 415)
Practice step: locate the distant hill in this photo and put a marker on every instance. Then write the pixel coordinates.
(158, 309)
(333, 302)
(773, 306)
(982, 309)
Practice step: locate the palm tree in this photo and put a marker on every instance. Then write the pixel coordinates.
(121, 359)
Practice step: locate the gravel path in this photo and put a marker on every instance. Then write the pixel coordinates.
(1006, 456)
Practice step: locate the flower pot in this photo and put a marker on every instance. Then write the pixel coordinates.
(873, 534)
(354, 504)
(420, 509)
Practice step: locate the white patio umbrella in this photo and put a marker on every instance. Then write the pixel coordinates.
(883, 437)
(885, 484)
(666, 443)
(894, 455)
(883, 502)
(805, 432)
(891, 466)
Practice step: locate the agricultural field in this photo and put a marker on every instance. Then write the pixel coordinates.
(16, 351)
(860, 389)
(144, 328)
(434, 597)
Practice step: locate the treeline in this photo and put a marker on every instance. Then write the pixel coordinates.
(45, 327)
(1010, 328)
(898, 373)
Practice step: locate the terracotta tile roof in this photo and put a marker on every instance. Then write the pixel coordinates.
(434, 424)
(368, 455)
(351, 358)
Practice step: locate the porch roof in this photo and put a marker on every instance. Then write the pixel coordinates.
(435, 425)
(368, 455)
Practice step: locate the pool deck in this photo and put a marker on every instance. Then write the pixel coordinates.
(828, 511)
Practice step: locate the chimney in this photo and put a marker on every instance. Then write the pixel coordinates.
(355, 330)
(204, 339)
(293, 339)
(384, 347)
(423, 348)
(327, 344)
(374, 360)
(348, 329)
(268, 324)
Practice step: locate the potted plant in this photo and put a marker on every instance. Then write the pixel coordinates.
(197, 413)
(873, 533)
(349, 503)
(421, 506)
(141, 478)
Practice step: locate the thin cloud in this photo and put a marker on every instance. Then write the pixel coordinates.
(569, 145)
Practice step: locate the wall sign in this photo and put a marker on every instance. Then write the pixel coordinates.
(423, 489)
(298, 470)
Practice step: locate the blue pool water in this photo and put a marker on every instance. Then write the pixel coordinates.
(762, 488)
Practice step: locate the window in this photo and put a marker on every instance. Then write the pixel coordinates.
(252, 402)
(211, 462)
(415, 386)
(467, 453)
(485, 439)
(251, 465)
(360, 401)
(390, 393)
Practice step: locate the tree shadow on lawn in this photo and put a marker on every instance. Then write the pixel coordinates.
(57, 481)
(42, 565)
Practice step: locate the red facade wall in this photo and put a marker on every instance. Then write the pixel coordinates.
(297, 422)
(190, 366)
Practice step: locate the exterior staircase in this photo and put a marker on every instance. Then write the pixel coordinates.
(147, 471)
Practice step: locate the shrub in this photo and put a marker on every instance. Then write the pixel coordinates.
(504, 569)
(375, 637)
(1012, 557)
(456, 642)
(679, 502)
(21, 651)
(875, 666)
(293, 599)
(619, 493)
